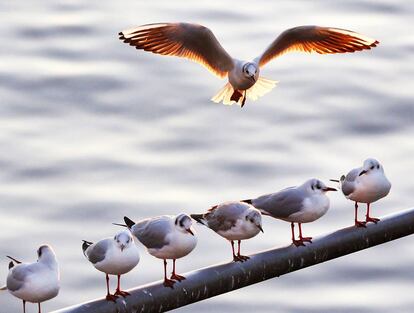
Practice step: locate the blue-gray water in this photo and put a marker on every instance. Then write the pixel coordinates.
(92, 130)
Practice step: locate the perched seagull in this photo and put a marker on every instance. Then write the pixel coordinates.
(198, 43)
(234, 221)
(34, 282)
(365, 184)
(302, 204)
(165, 237)
(113, 256)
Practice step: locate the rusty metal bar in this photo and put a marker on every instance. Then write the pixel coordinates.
(218, 279)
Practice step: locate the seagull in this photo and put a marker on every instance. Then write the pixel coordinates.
(234, 221)
(166, 237)
(302, 204)
(113, 256)
(198, 43)
(365, 184)
(34, 282)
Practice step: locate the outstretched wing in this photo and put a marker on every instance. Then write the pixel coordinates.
(318, 39)
(191, 41)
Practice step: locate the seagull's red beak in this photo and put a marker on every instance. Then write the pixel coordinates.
(329, 189)
(190, 231)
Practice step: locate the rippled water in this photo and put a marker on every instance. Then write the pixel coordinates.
(92, 130)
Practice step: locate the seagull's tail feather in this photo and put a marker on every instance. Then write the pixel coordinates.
(224, 95)
(260, 88)
(85, 246)
(248, 201)
(129, 223)
(199, 218)
(13, 259)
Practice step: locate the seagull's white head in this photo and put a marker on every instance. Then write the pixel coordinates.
(123, 239)
(251, 71)
(315, 186)
(184, 223)
(46, 254)
(371, 166)
(255, 217)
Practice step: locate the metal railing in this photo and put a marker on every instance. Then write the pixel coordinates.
(218, 279)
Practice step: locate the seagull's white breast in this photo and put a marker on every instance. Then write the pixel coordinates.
(40, 285)
(242, 230)
(180, 244)
(119, 262)
(313, 208)
(370, 187)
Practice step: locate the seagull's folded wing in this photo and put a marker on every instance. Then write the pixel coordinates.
(191, 41)
(318, 39)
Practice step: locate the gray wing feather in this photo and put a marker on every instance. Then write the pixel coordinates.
(347, 184)
(152, 233)
(96, 252)
(225, 215)
(281, 204)
(17, 276)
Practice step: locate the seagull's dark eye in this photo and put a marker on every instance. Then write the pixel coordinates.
(313, 188)
(372, 167)
(378, 166)
(39, 252)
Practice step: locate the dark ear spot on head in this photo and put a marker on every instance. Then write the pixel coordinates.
(39, 252)
(176, 221)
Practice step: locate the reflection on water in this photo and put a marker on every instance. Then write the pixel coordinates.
(92, 130)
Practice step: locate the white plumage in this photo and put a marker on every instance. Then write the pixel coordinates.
(34, 282)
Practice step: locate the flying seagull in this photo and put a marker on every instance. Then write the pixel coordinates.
(198, 43)
(365, 184)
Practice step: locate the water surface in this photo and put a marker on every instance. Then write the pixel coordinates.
(92, 130)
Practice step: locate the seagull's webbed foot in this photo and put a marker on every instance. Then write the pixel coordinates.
(110, 297)
(177, 277)
(240, 258)
(306, 239)
(372, 219)
(243, 101)
(298, 243)
(169, 283)
(121, 293)
(236, 96)
(243, 258)
(360, 224)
